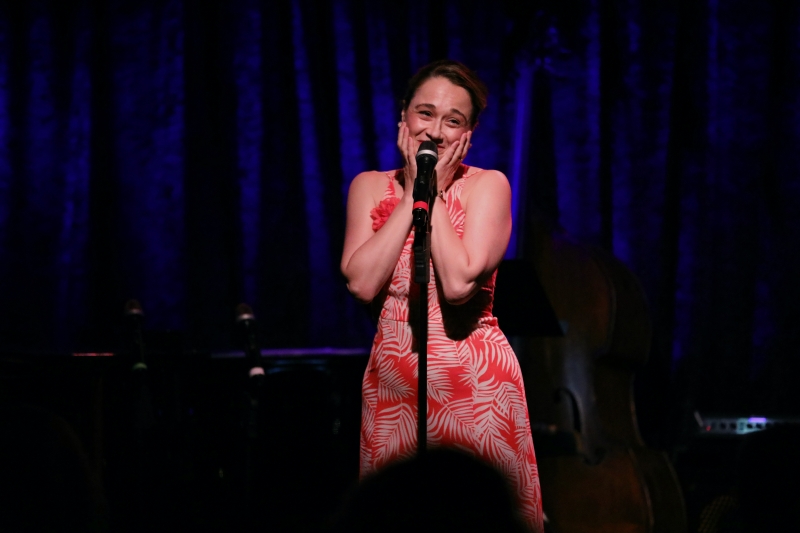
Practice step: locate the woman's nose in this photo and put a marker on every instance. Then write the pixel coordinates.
(435, 132)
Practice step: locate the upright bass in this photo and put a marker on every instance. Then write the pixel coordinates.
(580, 336)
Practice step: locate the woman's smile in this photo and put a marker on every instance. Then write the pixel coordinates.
(438, 112)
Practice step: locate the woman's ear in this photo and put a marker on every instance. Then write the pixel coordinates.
(403, 115)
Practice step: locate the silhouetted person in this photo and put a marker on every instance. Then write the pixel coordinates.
(443, 490)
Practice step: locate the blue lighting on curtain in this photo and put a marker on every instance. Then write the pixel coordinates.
(576, 106)
(39, 209)
(418, 34)
(73, 239)
(454, 24)
(318, 240)
(385, 109)
(250, 130)
(41, 130)
(352, 146)
(519, 153)
(149, 90)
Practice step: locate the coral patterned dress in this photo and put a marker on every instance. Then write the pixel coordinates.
(476, 398)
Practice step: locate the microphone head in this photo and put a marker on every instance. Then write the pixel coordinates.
(428, 149)
(244, 312)
(133, 308)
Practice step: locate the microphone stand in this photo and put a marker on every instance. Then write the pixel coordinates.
(142, 420)
(245, 320)
(422, 276)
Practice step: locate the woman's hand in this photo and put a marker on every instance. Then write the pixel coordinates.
(447, 164)
(408, 149)
(450, 161)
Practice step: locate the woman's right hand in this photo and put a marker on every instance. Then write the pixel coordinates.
(408, 149)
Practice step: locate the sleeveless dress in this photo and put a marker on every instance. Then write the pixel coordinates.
(476, 398)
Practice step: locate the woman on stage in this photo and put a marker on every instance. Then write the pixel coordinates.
(476, 398)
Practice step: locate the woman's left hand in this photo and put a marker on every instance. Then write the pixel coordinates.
(450, 161)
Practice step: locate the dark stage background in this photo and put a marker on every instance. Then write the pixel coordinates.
(196, 154)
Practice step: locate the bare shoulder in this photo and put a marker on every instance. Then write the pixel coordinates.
(486, 182)
(490, 176)
(371, 183)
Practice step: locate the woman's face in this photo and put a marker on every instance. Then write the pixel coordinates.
(438, 112)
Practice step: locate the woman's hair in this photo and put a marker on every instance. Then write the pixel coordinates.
(456, 73)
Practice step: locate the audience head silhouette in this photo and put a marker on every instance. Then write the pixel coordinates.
(441, 490)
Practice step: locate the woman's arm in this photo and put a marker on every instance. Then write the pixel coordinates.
(369, 257)
(462, 264)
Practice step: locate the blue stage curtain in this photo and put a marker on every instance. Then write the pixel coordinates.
(197, 154)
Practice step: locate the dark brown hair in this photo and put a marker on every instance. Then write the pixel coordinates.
(456, 73)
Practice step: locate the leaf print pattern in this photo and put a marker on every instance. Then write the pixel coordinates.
(476, 398)
(392, 387)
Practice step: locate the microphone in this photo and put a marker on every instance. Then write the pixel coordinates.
(427, 157)
(135, 316)
(247, 323)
